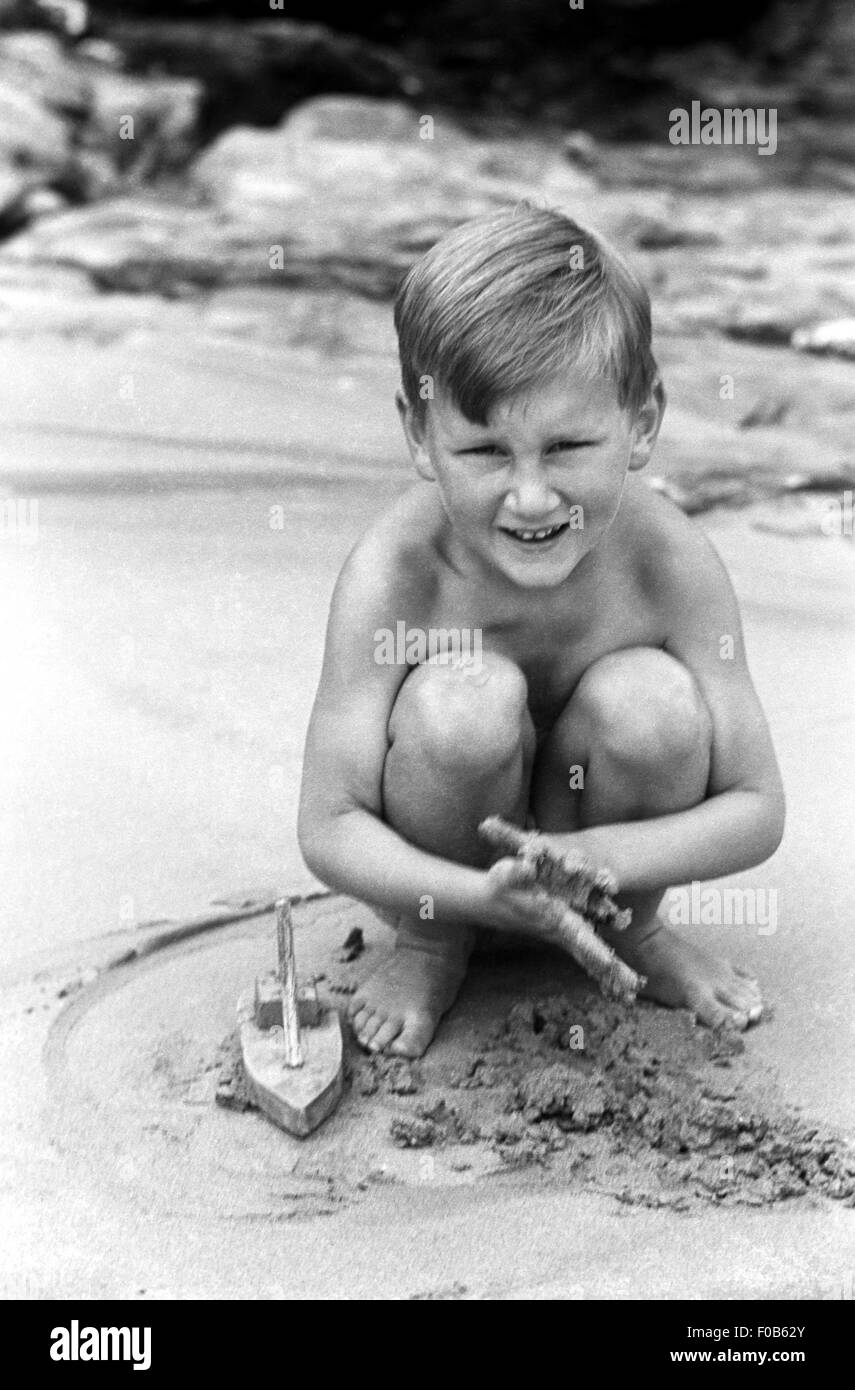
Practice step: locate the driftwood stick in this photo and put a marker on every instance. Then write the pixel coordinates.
(563, 894)
(586, 890)
(616, 979)
(288, 984)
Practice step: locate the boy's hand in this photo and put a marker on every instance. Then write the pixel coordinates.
(510, 906)
(537, 913)
(592, 846)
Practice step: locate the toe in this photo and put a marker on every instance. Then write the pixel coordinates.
(729, 1015)
(414, 1038)
(356, 1004)
(365, 1025)
(751, 1005)
(712, 1012)
(743, 1002)
(386, 1033)
(370, 1027)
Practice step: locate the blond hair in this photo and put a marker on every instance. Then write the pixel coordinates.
(507, 300)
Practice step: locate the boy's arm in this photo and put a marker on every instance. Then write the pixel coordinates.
(741, 821)
(342, 835)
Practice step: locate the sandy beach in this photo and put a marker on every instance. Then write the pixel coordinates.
(155, 766)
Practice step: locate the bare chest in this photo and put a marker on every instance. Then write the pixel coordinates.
(552, 641)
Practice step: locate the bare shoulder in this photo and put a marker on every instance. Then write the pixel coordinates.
(674, 558)
(395, 561)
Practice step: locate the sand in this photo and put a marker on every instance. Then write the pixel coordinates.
(533, 1077)
(635, 1101)
(121, 1175)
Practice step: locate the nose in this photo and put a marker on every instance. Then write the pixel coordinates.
(531, 495)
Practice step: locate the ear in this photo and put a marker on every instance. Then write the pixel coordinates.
(415, 435)
(646, 426)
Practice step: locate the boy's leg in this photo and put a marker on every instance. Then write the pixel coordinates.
(639, 728)
(461, 748)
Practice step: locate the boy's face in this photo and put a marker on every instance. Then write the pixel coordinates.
(535, 489)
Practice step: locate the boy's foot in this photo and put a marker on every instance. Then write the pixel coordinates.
(399, 1007)
(685, 976)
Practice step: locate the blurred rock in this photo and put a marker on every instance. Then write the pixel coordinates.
(345, 193)
(71, 16)
(43, 103)
(162, 114)
(369, 150)
(769, 410)
(740, 487)
(362, 119)
(131, 243)
(21, 202)
(836, 339)
(79, 127)
(33, 133)
(764, 328)
(40, 65)
(580, 149)
(661, 234)
(254, 71)
(62, 16)
(141, 245)
(14, 187)
(658, 164)
(356, 180)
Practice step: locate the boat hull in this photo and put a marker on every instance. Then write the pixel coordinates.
(297, 1099)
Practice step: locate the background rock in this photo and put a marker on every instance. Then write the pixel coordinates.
(335, 196)
(38, 95)
(836, 339)
(165, 112)
(252, 72)
(344, 193)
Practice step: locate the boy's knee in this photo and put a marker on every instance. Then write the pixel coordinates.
(471, 715)
(644, 706)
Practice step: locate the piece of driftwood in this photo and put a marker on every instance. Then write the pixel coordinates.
(615, 978)
(290, 1045)
(559, 888)
(586, 889)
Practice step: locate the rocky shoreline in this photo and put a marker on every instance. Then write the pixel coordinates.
(118, 213)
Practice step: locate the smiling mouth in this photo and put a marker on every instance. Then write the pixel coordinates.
(534, 538)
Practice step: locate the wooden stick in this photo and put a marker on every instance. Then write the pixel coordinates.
(560, 889)
(288, 983)
(615, 978)
(585, 889)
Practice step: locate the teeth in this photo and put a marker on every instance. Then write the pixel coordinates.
(536, 535)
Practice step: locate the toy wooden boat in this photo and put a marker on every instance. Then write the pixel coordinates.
(291, 1045)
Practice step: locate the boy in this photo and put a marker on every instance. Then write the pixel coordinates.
(598, 706)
